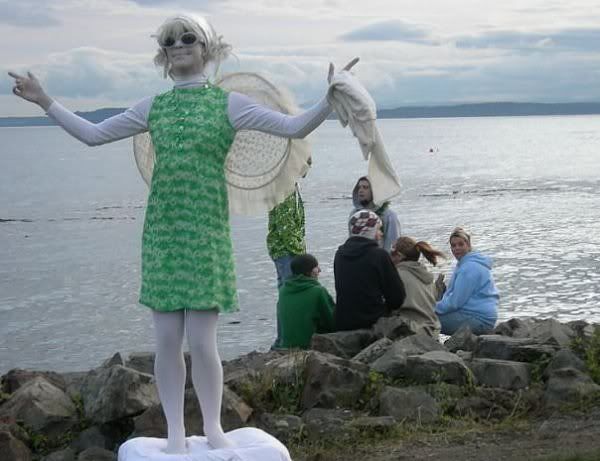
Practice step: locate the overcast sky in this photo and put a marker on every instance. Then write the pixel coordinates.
(98, 53)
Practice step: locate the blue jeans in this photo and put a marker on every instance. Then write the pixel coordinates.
(284, 272)
(452, 321)
(284, 269)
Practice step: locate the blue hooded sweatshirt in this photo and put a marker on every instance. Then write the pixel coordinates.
(472, 290)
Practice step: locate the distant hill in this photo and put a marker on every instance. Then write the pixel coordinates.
(488, 109)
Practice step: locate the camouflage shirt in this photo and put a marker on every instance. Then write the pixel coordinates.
(286, 227)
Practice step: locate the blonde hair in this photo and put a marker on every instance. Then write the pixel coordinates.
(412, 250)
(462, 233)
(215, 49)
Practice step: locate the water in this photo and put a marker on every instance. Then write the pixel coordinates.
(527, 187)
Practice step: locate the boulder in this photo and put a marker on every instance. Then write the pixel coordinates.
(234, 414)
(463, 339)
(323, 424)
(378, 424)
(74, 381)
(116, 359)
(373, 351)
(42, 407)
(287, 369)
(12, 449)
(564, 358)
(408, 404)
(144, 363)
(395, 327)
(117, 392)
(331, 381)
(436, 367)
(16, 378)
(62, 455)
(515, 327)
(568, 385)
(345, 344)
(286, 428)
(552, 332)
(90, 437)
(97, 454)
(501, 373)
(500, 347)
(393, 363)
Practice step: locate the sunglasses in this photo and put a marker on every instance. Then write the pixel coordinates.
(186, 39)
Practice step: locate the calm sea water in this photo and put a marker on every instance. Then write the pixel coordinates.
(527, 187)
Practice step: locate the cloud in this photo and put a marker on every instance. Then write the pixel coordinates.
(581, 39)
(27, 13)
(397, 31)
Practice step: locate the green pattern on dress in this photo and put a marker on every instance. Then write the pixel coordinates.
(187, 254)
(286, 227)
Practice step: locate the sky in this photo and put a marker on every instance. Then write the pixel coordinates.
(91, 54)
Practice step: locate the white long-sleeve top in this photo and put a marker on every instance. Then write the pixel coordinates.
(243, 113)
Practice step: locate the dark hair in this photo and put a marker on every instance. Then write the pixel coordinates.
(303, 264)
(412, 250)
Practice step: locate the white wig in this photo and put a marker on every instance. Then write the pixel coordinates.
(215, 50)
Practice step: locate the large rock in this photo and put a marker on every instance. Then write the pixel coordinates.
(515, 327)
(345, 344)
(331, 381)
(564, 358)
(12, 449)
(393, 363)
(395, 327)
(408, 404)
(501, 373)
(144, 363)
(463, 339)
(96, 454)
(568, 385)
(42, 407)
(552, 332)
(16, 378)
(500, 347)
(477, 407)
(436, 367)
(117, 392)
(234, 414)
(286, 428)
(287, 369)
(332, 424)
(91, 437)
(61, 455)
(373, 351)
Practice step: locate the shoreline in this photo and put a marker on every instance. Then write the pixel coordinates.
(531, 385)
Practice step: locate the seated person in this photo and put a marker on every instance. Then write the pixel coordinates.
(304, 306)
(366, 282)
(421, 292)
(471, 297)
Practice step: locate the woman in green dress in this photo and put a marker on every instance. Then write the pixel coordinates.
(188, 274)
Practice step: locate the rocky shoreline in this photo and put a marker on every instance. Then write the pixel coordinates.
(353, 392)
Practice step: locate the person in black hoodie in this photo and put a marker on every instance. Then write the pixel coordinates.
(367, 283)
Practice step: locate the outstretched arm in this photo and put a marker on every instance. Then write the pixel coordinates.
(126, 124)
(246, 114)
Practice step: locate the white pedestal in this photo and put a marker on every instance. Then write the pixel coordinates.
(251, 444)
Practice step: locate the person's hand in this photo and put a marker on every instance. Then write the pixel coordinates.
(29, 88)
(348, 66)
(440, 286)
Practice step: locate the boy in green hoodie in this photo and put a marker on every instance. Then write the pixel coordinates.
(304, 306)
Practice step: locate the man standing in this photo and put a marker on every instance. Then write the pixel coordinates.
(367, 283)
(362, 198)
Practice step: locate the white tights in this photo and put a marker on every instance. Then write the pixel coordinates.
(207, 373)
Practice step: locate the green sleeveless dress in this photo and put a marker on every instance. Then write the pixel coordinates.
(187, 254)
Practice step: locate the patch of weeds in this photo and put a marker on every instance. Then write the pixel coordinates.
(3, 397)
(375, 384)
(589, 456)
(42, 444)
(592, 356)
(538, 367)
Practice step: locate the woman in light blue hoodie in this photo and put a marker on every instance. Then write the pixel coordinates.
(471, 297)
